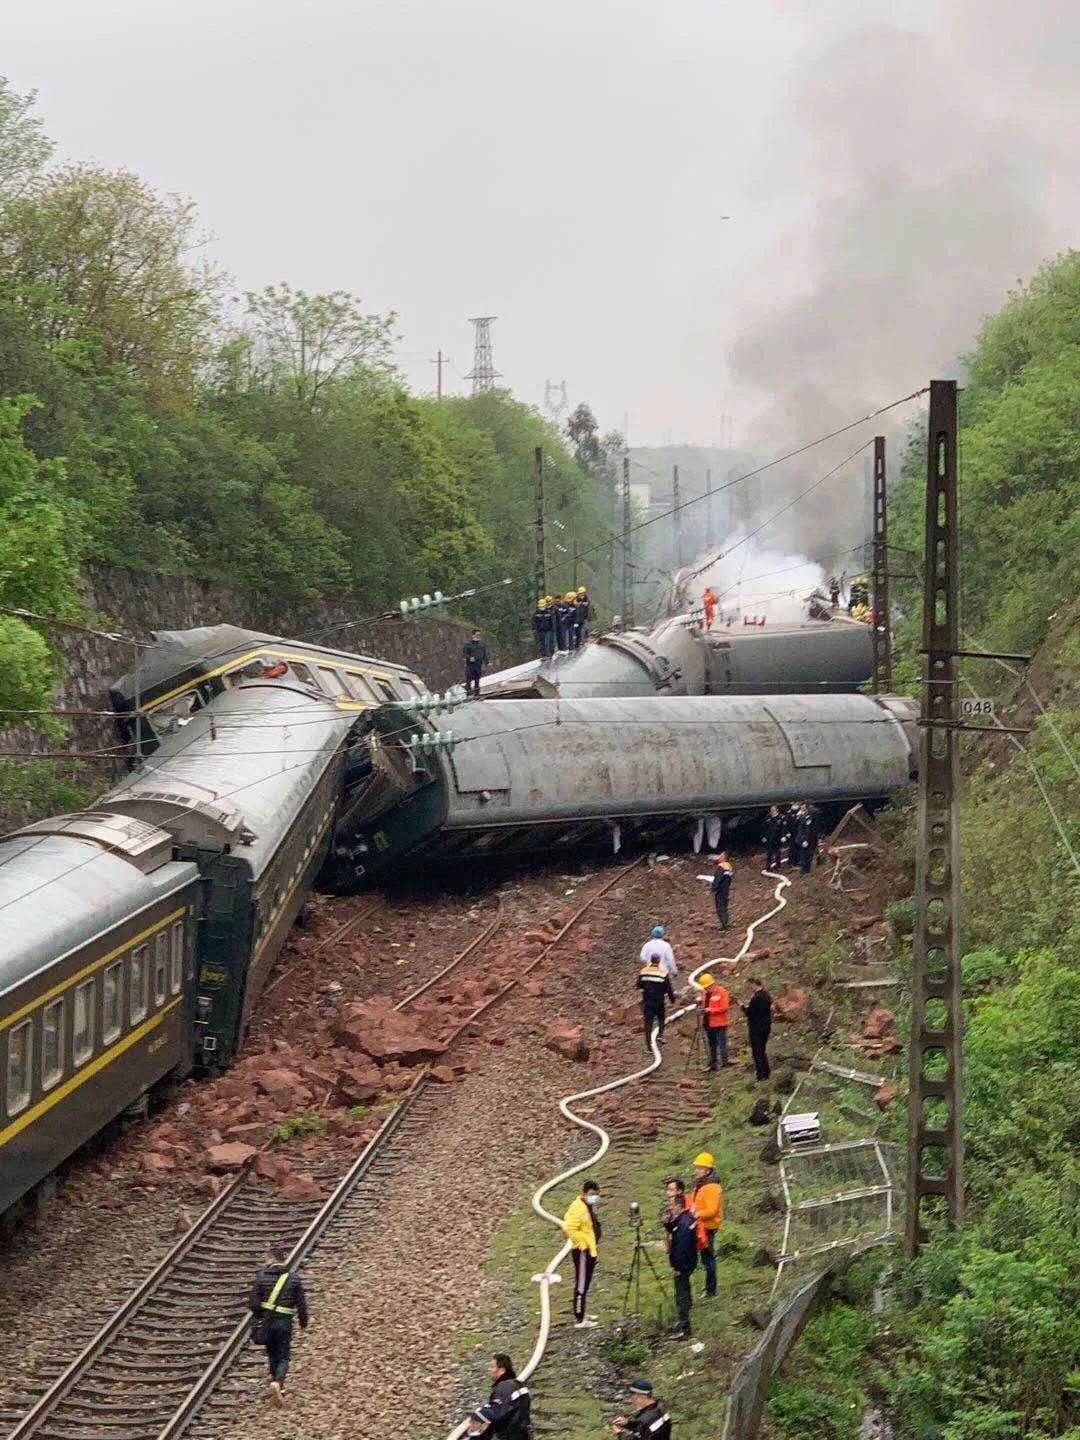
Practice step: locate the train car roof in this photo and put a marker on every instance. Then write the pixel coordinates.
(259, 748)
(57, 892)
(189, 653)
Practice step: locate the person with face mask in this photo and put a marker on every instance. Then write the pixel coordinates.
(581, 1226)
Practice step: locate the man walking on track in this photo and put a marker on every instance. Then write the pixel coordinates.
(707, 1203)
(715, 1018)
(277, 1298)
(581, 1226)
(758, 1012)
(721, 889)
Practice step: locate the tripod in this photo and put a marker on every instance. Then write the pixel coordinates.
(633, 1277)
(694, 1051)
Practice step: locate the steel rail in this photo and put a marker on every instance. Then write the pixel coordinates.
(69, 1378)
(208, 1382)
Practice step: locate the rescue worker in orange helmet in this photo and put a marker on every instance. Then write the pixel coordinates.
(709, 599)
(707, 1203)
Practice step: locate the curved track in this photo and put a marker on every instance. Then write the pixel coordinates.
(549, 1275)
(156, 1366)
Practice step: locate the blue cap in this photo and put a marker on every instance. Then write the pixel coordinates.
(641, 1387)
(657, 931)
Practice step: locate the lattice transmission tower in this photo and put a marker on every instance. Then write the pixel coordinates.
(483, 373)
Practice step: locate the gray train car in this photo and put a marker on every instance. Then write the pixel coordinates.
(97, 932)
(543, 775)
(678, 658)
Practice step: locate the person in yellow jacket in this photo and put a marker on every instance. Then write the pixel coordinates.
(581, 1226)
(707, 1203)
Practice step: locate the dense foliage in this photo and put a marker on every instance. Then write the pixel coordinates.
(264, 441)
(984, 1331)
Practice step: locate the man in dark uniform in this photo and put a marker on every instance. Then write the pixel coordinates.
(565, 622)
(650, 1420)
(773, 831)
(583, 614)
(475, 653)
(654, 982)
(721, 889)
(544, 627)
(758, 1012)
(506, 1414)
(807, 831)
(683, 1259)
(789, 816)
(276, 1299)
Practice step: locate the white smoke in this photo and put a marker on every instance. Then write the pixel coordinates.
(754, 580)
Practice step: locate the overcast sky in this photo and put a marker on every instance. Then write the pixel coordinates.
(567, 166)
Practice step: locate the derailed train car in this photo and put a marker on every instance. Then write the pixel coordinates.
(135, 937)
(541, 775)
(678, 657)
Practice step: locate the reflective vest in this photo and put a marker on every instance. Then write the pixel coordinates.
(717, 1003)
(270, 1303)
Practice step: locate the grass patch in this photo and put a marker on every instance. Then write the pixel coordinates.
(583, 1381)
(298, 1127)
(821, 1395)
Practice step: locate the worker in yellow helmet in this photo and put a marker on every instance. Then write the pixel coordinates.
(544, 627)
(565, 621)
(707, 1203)
(583, 606)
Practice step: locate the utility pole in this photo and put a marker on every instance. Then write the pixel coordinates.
(708, 511)
(483, 373)
(627, 581)
(880, 576)
(573, 566)
(538, 500)
(676, 509)
(439, 361)
(935, 1100)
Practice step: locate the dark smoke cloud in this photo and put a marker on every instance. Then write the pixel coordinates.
(940, 164)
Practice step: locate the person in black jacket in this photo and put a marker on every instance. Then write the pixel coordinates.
(721, 889)
(758, 1012)
(506, 1414)
(276, 1299)
(682, 1257)
(544, 627)
(475, 652)
(655, 985)
(650, 1422)
(773, 831)
(807, 832)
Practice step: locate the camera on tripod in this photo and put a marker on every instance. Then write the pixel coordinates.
(635, 1215)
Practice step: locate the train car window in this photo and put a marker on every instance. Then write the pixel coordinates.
(82, 1031)
(161, 967)
(110, 1002)
(384, 690)
(140, 982)
(176, 963)
(303, 674)
(19, 1056)
(358, 686)
(52, 1043)
(333, 682)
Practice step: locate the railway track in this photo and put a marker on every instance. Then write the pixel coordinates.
(164, 1364)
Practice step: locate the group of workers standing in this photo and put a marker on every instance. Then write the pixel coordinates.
(562, 625)
(659, 969)
(795, 829)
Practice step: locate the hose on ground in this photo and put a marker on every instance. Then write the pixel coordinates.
(549, 1275)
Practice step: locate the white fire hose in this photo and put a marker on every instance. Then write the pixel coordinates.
(549, 1275)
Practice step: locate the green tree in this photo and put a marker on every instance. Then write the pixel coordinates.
(307, 341)
(38, 551)
(24, 147)
(109, 269)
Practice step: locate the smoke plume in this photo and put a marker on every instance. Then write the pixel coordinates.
(941, 164)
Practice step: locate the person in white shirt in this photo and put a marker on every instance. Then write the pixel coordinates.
(657, 951)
